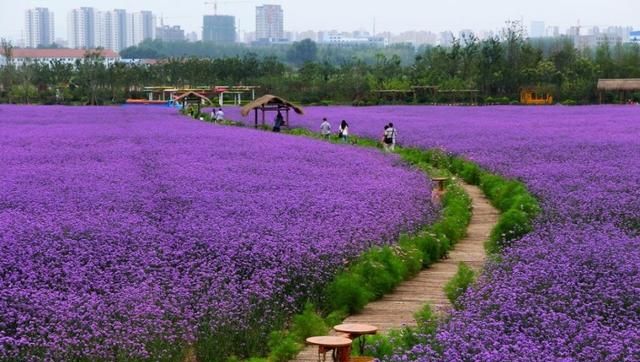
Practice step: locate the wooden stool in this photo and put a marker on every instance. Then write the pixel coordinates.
(357, 331)
(440, 182)
(339, 346)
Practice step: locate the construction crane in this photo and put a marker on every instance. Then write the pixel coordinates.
(215, 6)
(216, 2)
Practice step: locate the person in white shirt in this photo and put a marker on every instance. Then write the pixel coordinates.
(213, 115)
(325, 128)
(344, 131)
(393, 133)
(219, 115)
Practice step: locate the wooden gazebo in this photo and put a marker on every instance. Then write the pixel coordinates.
(271, 103)
(454, 94)
(191, 99)
(622, 86)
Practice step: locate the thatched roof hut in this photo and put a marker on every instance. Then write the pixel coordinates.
(267, 103)
(630, 84)
(192, 97)
(622, 86)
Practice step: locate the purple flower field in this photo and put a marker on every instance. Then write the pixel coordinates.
(570, 290)
(123, 230)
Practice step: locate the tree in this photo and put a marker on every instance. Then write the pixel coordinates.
(302, 52)
(7, 74)
(90, 71)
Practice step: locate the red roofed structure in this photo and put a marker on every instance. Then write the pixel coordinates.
(20, 55)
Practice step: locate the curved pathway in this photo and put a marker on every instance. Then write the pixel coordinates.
(396, 310)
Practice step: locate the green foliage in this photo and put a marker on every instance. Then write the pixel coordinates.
(348, 291)
(432, 248)
(410, 254)
(24, 93)
(458, 285)
(512, 225)
(308, 323)
(382, 346)
(326, 74)
(300, 52)
(381, 269)
(283, 346)
(336, 317)
(427, 320)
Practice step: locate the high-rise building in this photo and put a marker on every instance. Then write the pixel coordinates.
(192, 37)
(219, 29)
(39, 28)
(269, 23)
(537, 29)
(112, 30)
(119, 29)
(170, 33)
(82, 28)
(144, 27)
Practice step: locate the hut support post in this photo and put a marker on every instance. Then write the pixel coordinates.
(256, 119)
(287, 119)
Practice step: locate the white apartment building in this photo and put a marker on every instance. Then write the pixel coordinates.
(112, 30)
(115, 30)
(82, 29)
(269, 23)
(38, 28)
(143, 27)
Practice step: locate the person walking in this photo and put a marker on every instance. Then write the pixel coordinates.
(387, 138)
(325, 128)
(393, 133)
(344, 131)
(219, 115)
(278, 122)
(213, 115)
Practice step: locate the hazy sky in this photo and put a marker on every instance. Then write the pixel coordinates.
(392, 15)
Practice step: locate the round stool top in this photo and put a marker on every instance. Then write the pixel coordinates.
(329, 341)
(356, 328)
(439, 179)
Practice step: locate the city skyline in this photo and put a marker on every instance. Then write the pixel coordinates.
(303, 15)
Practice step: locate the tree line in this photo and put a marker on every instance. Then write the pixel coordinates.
(497, 68)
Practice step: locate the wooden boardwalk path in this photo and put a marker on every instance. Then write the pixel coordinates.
(396, 310)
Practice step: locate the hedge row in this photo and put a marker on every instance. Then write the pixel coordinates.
(379, 270)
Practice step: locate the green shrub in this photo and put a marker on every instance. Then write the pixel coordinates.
(470, 173)
(512, 225)
(410, 255)
(336, 317)
(429, 246)
(490, 185)
(348, 292)
(378, 346)
(308, 323)
(381, 269)
(459, 283)
(427, 320)
(283, 346)
(527, 204)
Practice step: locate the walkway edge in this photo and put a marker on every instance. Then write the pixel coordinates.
(396, 310)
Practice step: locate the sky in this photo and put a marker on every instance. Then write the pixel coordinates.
(391, 15)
